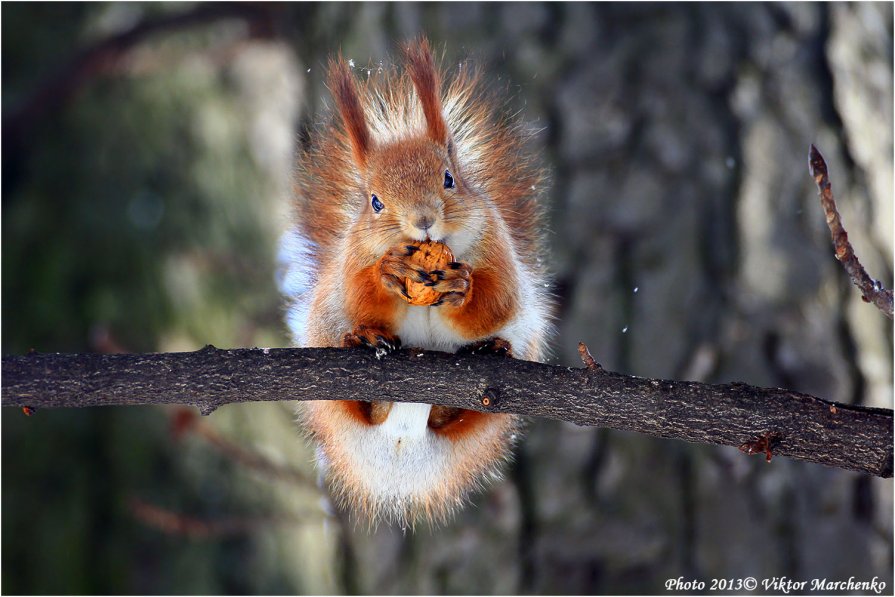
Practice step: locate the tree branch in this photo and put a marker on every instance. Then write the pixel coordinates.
(757, 420)
(872, 291)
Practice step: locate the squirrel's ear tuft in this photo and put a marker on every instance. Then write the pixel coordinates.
(427, 82)
(341, 83)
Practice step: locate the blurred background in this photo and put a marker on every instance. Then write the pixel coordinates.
(146, 174)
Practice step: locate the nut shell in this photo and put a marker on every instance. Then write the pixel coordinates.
(431, 256)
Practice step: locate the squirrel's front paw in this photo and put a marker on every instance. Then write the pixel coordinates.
(371, 337)
(453, 282)
(395, 267)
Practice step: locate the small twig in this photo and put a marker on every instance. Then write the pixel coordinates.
(872, 291)
(185, 419)
(587, 359)
(763, 444)
(174, 523)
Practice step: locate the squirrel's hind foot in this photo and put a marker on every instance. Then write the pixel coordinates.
(372, 338)
(496, 346)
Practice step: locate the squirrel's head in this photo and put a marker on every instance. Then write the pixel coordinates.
(413, 186)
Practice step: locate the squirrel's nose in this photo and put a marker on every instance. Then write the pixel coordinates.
(424, 222)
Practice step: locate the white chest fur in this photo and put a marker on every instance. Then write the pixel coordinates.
(423, 327)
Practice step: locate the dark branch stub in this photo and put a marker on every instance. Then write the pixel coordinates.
(206, 408)
(846, 436)
(872, 291)
(491, 398)
(587, 359)
(763, 444)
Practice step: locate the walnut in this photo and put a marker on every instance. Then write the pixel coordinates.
(431, 256)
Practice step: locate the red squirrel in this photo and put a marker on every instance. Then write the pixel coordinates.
(402, 160)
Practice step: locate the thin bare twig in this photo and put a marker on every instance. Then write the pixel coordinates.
(872, 291)
(185, 419)
(174, 523)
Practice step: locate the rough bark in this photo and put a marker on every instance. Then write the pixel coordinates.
(777, 421)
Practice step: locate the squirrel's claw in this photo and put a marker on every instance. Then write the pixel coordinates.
(496, 346)
(390, 345)
(454, 299)
(394, 284)
(456, 285)
(371, 338)
(453, 282)
(394, 268)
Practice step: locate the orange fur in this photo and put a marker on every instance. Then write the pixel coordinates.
(458, 422)
(341, 82)
(367, 302)
(365, 412)
(492, 298)
(488, 306)
(355, 409)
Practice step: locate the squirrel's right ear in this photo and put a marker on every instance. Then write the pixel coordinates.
(341, 83)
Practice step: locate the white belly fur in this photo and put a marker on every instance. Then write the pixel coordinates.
(423, 327)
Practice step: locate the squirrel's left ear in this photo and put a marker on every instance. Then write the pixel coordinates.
(427, 82)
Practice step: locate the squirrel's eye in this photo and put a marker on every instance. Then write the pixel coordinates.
(448, 180)
(377, 204)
